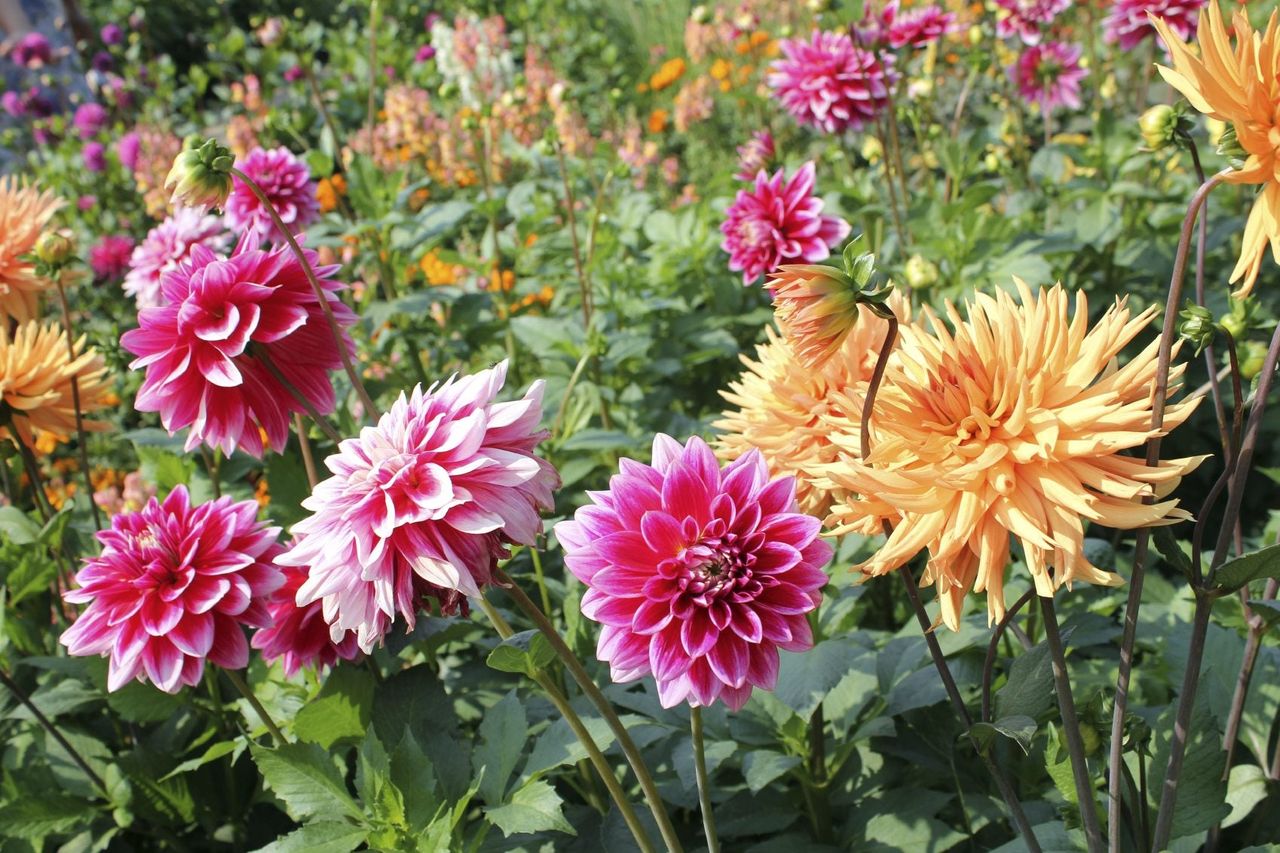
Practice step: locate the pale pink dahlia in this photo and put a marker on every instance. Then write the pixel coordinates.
(698, 575)
(285, 180)
(755, 154)
(167, 245)
(172, 588)
(1026, 18)
(779, 221)
(202, 347)
(1127, 23)
(299, 636)
(830, 83)
(422, 505)
(1049, 74)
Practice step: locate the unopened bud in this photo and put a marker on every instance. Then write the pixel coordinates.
(54, 249)
(921, 272)
(201, 175)
(1197, 326)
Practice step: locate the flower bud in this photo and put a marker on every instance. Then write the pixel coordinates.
(201, 175)
(1229, 146)
(1237, 322)
(54, 249)
(1158, 125)
(921, 272)
(1197, 326)
(1252, 357)
(815, 306)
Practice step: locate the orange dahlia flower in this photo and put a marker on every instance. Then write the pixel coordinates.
(1238, 85)
(35, 380)
(24, 212)
(1008, 422)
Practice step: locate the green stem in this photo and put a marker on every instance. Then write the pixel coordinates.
(47, 724)
(243, 687)
(704, 787)
(542, 581)
(81, 436)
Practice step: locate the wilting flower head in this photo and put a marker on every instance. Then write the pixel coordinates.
(1238, 86)
(830, 83)
(421, 505)
(109, 258)
(32, 50)
(815, 306)
(24, 212)
(755, 155)
(1025, 18)
(1049, 74)
(779, 221)
(36, 370)
(1129, 21)
(166, 246)
(201, 175)
(89, 118)
(299, 636)
(198, 346)
(1009, 422)
(285, 180)
(697, 575)
(172, 588)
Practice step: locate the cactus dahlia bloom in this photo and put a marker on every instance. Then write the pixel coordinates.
(1239, 85)
(1129, 21)
(201, 347)
(422, 505)
(172, 588)
(36, 371)
(24, 212)
(166, 246)
(1009, 422)
(299, 636)
(830, 83)
(698, 575)
(285, 180)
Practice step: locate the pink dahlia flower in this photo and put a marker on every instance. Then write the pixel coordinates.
(830, 83)
(198, 347)
(109, 258)
(32, 51)
(285, 180)
(422, 505)
(1128, 25)
(898, 29)
(1049, 74)
(1026, 18)
(755, 154)
(172, 588)
(779, 221)
(698, 575)
(166, 246)
(299, 636)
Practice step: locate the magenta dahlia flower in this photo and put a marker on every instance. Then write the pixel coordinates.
(422, 505)
(109, 258)
(1127, 23)
(1049, 74)
(32, 51)
(755, 154)
(285, 180)
(299, 636)
(897, 29)
(1026, 18)
(198, 347)
(698, 575)
(779, 221)
(166, 246)
(830, 83)
(172, 588)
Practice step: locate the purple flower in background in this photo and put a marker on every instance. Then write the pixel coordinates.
(102, 62)
(426, 53)
(127, 150)
(89, 119)
(293, 73)
(112, 34)
(94, 155)
(33, 51)
(12, 103)
(430, 20)
(86, 203)
(829, 83)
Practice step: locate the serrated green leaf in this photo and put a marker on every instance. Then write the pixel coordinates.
(1235, 573)
(558, 745)
(1029, 690)
(34, 817)
(534, 808)
(413, 774)
(327, 836)
(306, 780)
(1246, 787)
(805, 680)
(340, 711)
(524, 653)
(1268, 610)
(503, 733)
(1168, 546)
(213, 753)
(1018, 728)
(762, 766)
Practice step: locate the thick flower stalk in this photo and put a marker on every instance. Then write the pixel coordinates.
(1011, 421)
(697, 575)
(36, 372)
(24, 214)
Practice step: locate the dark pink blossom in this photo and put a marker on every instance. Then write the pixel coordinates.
(1128, 26)
(286, 182)
(755, 154)
(109, 259)
(1049, 74)
(1027, 18)
(32, 51)
(830, 83)
(298, 635)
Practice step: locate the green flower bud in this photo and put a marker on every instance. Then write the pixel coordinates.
(201, 174)
(1197, 326)
(1252, 357)
(1229, 146)
(921, 272)
(1158, 125)
(54, 249)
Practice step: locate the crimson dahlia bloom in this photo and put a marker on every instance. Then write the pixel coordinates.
(201, 371)
(830, 83)
(172, 588)
(298, 635)
(1049, 74)
(285, 180)
(1127, 23)
(422, 505)
(109, 258)
(1025, 18)
(698, 575)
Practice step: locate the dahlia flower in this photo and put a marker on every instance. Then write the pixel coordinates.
(697, 575)
(1049, 74)
(198, 347)
(898, 29)
(421, 505)
(32, 51)
(127, 148)
(166, 246)
(1025, 18)
(89, 118)
(1129, 21)
(109, 257)
(24, 212)
(1240, 86)
(778, 221)
(172, 588)
(285, 180)
(36, 370)
(815, 306)
(1011, 421)
(298, 636)
(755, 155)
(94, 157)
(830, 83)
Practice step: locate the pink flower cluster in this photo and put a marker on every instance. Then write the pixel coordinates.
(166, 246)
(830, 83)
(1026, 18)
(286, 181)
(1128, 24)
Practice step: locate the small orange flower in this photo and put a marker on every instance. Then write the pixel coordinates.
(329, 190)
(658, 121)
(437, 271)
(670, 71)
(721, 69)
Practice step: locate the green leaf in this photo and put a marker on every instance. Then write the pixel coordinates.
(143, 703)
(894, 832)
(1246, 787)
(805, 680)
(340, 711)
(1237, 572)
(1018, 728)
(1268, 610)
(213, 753)
(164, 468)
(558, 745)
(534, 808)
(1029, 690)
(1202, 792)
(33, 817)
(413, 774)
(503, 732)
(1168, 546)
(17, 527)
(328, 836)
(306, 780)
(763, 766)
(524, 653)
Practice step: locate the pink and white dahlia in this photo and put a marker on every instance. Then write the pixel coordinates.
(172, 588)
(897, 29)
(755, 154)
(1049, 74)
(298, 635)
(166, 246)
(698, 575)
(779, 221)
(1026, 18)
(202, 347)
(285, 180)
(1127, 23)
(830, 83)
(422, 505)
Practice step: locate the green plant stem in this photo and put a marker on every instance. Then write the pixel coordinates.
(82, 437)
(558, 423)
(584, 283)
(371, 110)
(211, 465)
(601, 702)
(304, 444)
(47, 724)
(28, 462)
(248, 694)
(704, 784)
(321, 296)
(1071, 728)
(268, 362)
(598, 760)
(989, 664)
(816, 785)
(541, 579)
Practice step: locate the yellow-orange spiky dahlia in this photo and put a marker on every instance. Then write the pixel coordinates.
(1240, 86)
(35, 380)
(1010, 421)
(24, 212)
